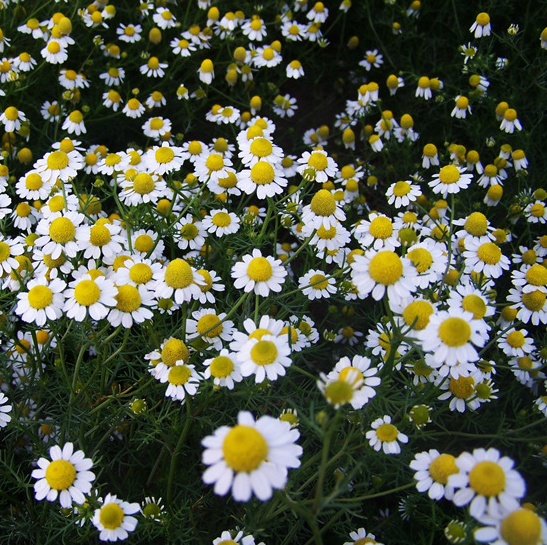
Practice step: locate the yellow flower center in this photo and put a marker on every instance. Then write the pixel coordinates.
(189, 231)
(449, 174)
(386, 267)
(156, 123)
(140, 273)
(483, 19)
(60, 474)
(221, 367)
(326, 234)
(153, 63)
(167, 15)
(442, 467)
(244, 448)
(178, 274)
(57, 160)
(174, 350)
(536, 274)
(537, 210)
(128, 298)
(261, 147)
(440, 232)
(487, 478)
(179, 375)
(454, 332)
(264, 352)
(259, 269)
(111, 516)
(144, 243)
(268, 54)
(62, 230)
(99, 235)
(134, 104)
(53, 47)
(143, 183)
(259, 333)
(227, 112)
(87, 293)
(214, 162)
(319, 282)
(489, 253)
(462, 103)
(521, 527)
(510, 114)
(262, 173)
(5, 251)
(401, 189)
(352, 375)
(40, 297)
(417, 313)
(76, 116)
(421, 258)
(11, 113)
(516, 339)
(221, 219)
(387, 433)
(462, 387)
(323, 203)
(228, 182)
(164, 155)
(207, 66)
(476, 224)
(207, 326)
(381, 227)
(339, 392)
(318, 161)
(474, 304)
(195, 147)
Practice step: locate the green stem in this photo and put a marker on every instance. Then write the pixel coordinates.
(175, 455)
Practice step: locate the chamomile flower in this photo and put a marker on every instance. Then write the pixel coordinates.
(206, 71)
(5, 408)
(461, 108)
(12, 118)
(429, 260)
(466, 296)
(510, 122)
(258, 273)
(294, 69)
(254, 28)
(54, 52)
(213, 166)
(133, 108)
(58, 234)
(315, 284)
(114, 76)
(132, 305)
(224, 369)
(264, 178)
(266, 57)
(516, 343)
(59, 165)
(266, 357)
(182, 380)
(450, 179)
(129, 33)
(182, 47)
(9, 249)
(221, 222)
(143, 188)
(164, 159)
(432, 472)
(210, 327)
(43, 301)
(372, 59)
(66, 475)
(152, 508)
(74, 123)
(251, 457)
(486, 258)
(487, 482)
(317, 166)
(402, 193)
(113, 518)
(90, 296)
(451, 337)
(51, 111)
(385, 436)
(512, 525)
(156, 127)
(100, 239)
(381, 272)
(361, 536)
(164, 18)
(481, 26)
(153, 68)
(377, 232)
(189, 233)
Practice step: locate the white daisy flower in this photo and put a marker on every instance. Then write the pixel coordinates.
(451, 337)
(221, 222)
(210, 282)
(156, 127)
(378, 273)
(212, 165)
(66, 476)
(432, 472)
(182, 380)
(224, 368)
(267, 357)
(516, 343)
(486, 258)
(143, 188)
(361, 536)
(133, 108)
(266, 326)
(210, 327)
(402, 193)
(450, 179)
(258, 149)
(378, 232)
(259, 274)
(101, 239)
(58, 234)
(113, 519)
(315, 284)
(5, 408)
(12, 118)
(385, 436)
(520, 525)
(430, 262)
(180, 281)
(251, 457)
(317, 166)
(164, 159)
(31, 187)
(487, 482)
(264, 178)
(323, 211)
(129, 33)
(153, 68)
(59, 165)
(132, 305)
(9, 248)
(88, 295)
(43, 301)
